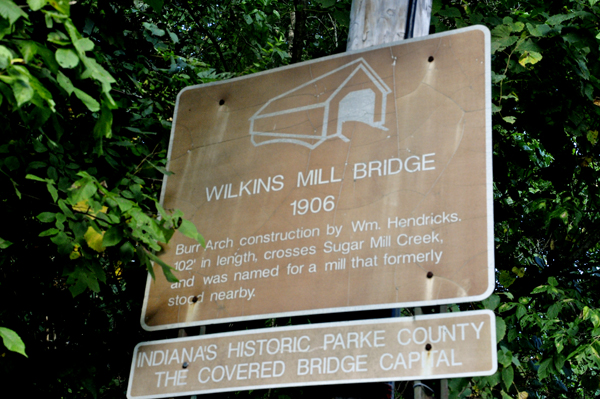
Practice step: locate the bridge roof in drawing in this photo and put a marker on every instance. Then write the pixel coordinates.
(315, 93)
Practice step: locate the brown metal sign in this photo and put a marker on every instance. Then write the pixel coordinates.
(424, 347)
(357, 181)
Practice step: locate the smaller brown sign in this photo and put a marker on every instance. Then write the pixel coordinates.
(423, 347)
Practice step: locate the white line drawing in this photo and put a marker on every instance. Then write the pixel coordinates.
(303, 115)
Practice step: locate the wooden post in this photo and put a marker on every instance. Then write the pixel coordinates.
(375, 22)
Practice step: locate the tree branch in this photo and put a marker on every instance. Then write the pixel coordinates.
(209, 35)
(299, 30)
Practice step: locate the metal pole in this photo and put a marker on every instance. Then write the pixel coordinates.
(443, 383)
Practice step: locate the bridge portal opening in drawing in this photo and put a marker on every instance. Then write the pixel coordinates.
(316, 111)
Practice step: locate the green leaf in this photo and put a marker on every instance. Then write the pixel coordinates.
(500, 328)
(11, 11)
(436, 6)
(521, 311)
(126, 252)
(36, 85)
(38, 146)
(505, 357)
(538, 30)
(84, 44)
(507, 306)
(53, 192)
(92, 283)
(61, 6)
(142, 255)
(4, 244)
(36, 4)
(501, 31)
(34, 177)
(541, 288)
(161, 169)
(559, 361)
(545, 369)
(93, 69)
(48, 57)
(103, 128)
(512, 334)
(58, 37)
(559, 18)
(450, 12)
(12, 341)
(88, 100)
(65, 209)
(6, 57)
(167, 270)
(508, 375)
(552, 281)
(46, 217)
(559, 343)
(530, 57)
(506, 279)
(595, 317)
(491, 302)
(65, 82)
(458, 385)
(28, 49)
(155, 4)
(188, 229)
(78, 279)
(50, 232)
(342, 18)
(63, 242)
(519, 271)
(528, 45)
(491, 380)
(510, 119)
(12, 163)
(154, 29)
(514, 26)
(497, 78)
(22, 91)
(60, 220)
(66, 58)
(49, 21)
(553, 311)
(98, 272)
(83, 190)
(173, 37)
(124, 204)
(112, 237)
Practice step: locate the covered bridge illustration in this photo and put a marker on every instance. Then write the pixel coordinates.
(316, 110)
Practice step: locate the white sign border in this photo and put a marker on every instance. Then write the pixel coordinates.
(489, 197)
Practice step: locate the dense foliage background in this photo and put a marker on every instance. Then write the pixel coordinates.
(87, 90)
